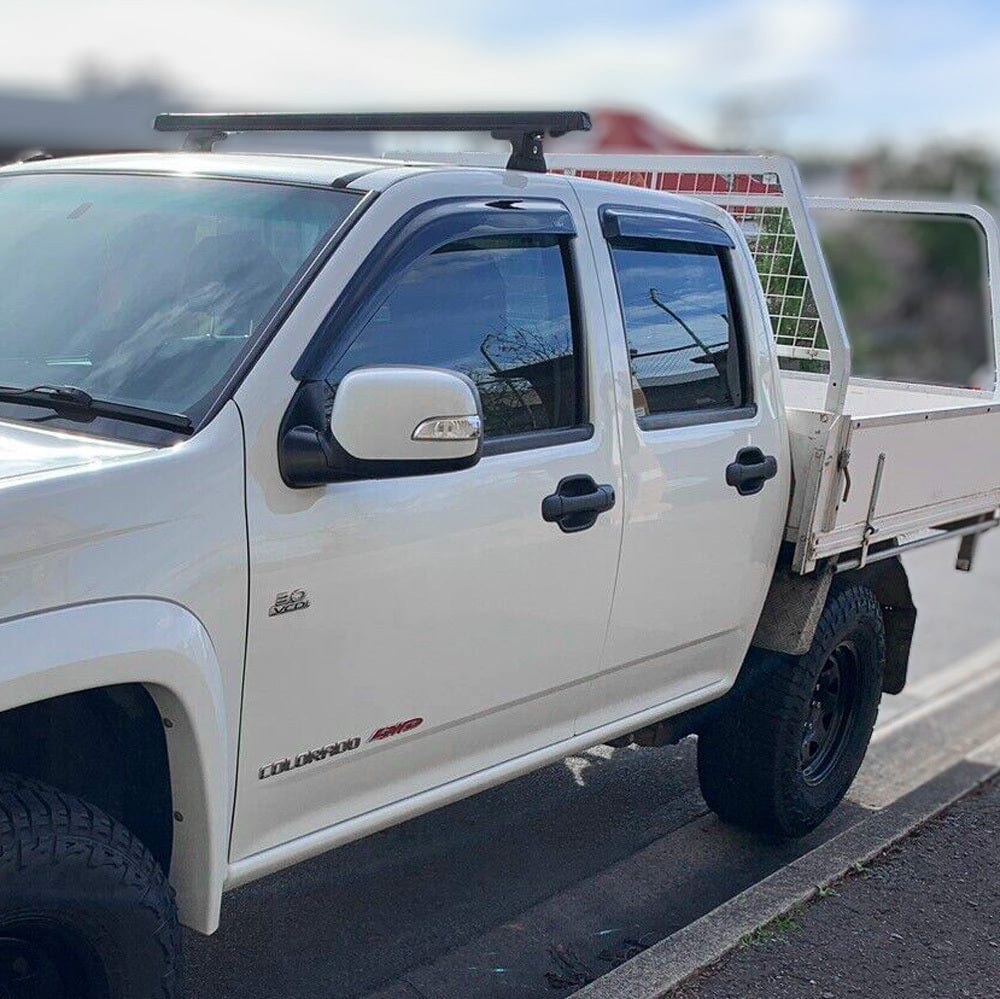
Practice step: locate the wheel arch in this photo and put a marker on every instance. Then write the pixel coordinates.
(149, 654)
(106, 746)
(795, 602)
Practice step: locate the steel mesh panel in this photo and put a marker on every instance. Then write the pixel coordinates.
(756, 202)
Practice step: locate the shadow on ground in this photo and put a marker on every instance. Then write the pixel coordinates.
(373, 915)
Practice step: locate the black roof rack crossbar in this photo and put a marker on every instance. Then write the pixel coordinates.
(523, 129)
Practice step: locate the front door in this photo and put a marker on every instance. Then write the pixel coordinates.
(418, 630)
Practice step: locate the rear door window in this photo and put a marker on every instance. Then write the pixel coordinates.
(681, 327)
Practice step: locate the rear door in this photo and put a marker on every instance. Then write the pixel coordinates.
(433, 626)
(704, 452)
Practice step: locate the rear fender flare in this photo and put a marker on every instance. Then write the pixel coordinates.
(794, 604)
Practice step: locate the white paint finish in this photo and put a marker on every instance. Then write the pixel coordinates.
(166, 648)
(27, 450)
(292, 852)
(941, 447)
(165, 523)
(377, 411)
(313, 170)
(815, 439)
(869, 397)
(696, 557)
(365, 174)
(817, 526)
(930, 465)
(443, 597)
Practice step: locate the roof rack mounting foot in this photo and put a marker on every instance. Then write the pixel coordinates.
(525, 150)
(203, 140)
(32, 156)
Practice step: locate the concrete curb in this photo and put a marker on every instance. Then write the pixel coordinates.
(659, 969)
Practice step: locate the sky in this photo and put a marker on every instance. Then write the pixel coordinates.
(830, 75)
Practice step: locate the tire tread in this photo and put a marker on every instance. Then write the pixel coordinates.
(743, 760)
(41, 825)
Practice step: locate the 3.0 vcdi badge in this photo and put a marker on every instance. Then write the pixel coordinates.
(285, 603)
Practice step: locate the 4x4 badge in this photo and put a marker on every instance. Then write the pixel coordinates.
(285, 603)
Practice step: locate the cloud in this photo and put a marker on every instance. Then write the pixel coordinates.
(830, 72)
(310, 51)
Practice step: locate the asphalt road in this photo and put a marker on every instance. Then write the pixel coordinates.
(922, 921)
(538, 886)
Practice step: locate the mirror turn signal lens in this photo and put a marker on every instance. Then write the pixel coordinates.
(449, 428)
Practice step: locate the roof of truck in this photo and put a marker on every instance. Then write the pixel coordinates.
(321, 171)
(354, 173)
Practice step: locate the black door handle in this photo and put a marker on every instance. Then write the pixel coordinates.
(751, 470)
(577, 503)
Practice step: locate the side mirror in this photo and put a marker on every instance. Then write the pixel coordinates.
(386, 422)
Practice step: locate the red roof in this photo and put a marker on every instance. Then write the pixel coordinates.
(620, 131)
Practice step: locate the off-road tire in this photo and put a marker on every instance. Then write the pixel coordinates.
(753, 753)
(93, 904)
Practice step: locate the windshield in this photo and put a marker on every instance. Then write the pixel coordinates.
(146, 290)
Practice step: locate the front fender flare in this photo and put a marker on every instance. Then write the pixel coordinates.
(164, 647)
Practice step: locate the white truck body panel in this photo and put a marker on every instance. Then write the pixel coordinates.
(941, 447)
(313, 171)
(163, 646)
(114, 573)
(32, 451)
(353, 553)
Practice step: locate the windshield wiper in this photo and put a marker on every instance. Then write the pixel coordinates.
(76, 404)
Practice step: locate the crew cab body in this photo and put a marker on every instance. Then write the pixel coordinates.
(330, 658)
(449, 598)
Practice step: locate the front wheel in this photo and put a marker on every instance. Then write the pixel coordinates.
(85, 910)
(793, 733)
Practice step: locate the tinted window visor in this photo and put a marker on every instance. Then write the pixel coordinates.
(620, 223)
(144, 291)
(424, 230)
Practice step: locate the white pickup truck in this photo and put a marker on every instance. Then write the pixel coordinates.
(334, 491)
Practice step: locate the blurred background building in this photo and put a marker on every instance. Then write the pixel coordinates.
(95, 116)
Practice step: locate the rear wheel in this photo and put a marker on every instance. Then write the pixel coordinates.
(793, 733)
(85, 910)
